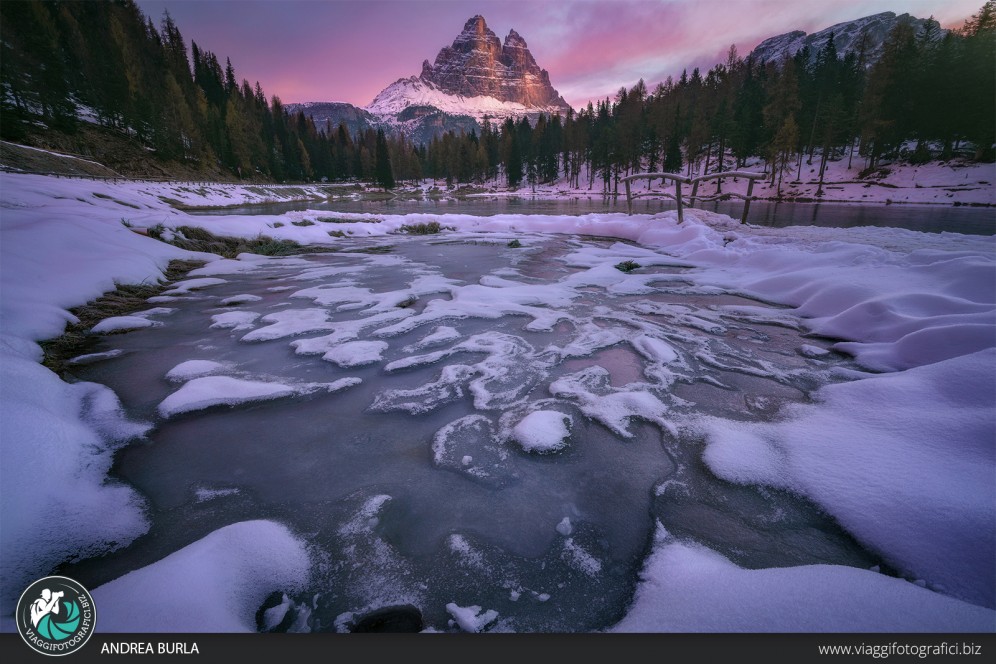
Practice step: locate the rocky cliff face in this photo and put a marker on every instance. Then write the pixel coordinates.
(477, 64)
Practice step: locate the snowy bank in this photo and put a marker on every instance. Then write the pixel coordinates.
(903, 461)
(689, 588)
(215, 584)
(955, 182)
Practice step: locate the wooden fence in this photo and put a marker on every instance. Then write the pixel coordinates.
(679, 180)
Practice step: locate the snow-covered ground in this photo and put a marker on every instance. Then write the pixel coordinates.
(956, 182)
(905, 460)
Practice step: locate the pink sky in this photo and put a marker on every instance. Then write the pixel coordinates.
(349, 50)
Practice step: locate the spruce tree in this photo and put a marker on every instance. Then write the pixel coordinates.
(383, 172)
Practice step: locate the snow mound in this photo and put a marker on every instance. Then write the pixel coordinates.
(186, 286)
(193, 369)
(543, 431)
(58, 442)
(356, 353)
(689, 588)
(90, 358)
(290, 323)
(916, 445)
(122, 324)
(209, 391)
(234, 320)
(215, 584)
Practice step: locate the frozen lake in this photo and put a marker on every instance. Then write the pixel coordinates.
(419, 484)
(923, 218)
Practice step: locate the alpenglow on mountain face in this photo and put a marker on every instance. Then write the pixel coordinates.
(476, 76)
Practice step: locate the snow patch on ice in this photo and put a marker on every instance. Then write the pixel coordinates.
(356, 353)
(470, 618)
(209, 391)
(614, 407)
(289, 323)
(193, 369)
(543, 431)
(186, 286)
(90, 358)
(234, 320)
(240, 299)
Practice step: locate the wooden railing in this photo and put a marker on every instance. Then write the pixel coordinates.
(694, 182)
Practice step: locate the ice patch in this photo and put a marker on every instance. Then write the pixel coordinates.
(215, 584)
(508, 373)
(203, 494)
(543, 431)
(469, 445)
(374, 573)
(613, 407)
(577, 557)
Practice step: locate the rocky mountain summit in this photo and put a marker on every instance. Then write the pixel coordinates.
(863, 36)
(477, 64)
(476, 76)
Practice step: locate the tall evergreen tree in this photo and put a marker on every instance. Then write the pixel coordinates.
(384, 173)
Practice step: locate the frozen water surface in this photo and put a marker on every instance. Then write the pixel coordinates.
(407, 379)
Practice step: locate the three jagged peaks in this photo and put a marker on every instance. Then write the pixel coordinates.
(479, 65)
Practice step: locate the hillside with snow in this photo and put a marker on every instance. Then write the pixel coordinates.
(863, 37)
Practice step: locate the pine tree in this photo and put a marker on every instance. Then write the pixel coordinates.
(383, 172)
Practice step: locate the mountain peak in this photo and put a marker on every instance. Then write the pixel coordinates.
(477, 25)
(478, 64)
(515, 40)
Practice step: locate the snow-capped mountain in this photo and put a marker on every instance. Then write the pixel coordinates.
(416, 92)
(867, 34)
(477, 76)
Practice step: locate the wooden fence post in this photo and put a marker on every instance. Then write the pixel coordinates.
(677, 197)
(750, 190)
